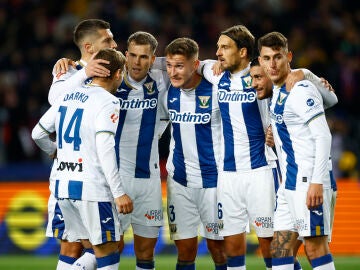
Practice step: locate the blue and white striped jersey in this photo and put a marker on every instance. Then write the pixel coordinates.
(244, 121)
(195, 135)
(304, 157)
(139, 129)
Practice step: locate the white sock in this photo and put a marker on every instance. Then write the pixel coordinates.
(65, 262)
(86, 262)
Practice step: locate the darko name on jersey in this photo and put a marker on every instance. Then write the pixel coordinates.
(76, 96)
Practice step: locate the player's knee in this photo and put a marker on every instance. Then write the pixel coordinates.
(71, 249)
(217, 250)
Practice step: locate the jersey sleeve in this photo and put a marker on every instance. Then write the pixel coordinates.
(309, 103)
(205, 69)
(329, 97)
(108, 117)
(63, 82)
(42, 130)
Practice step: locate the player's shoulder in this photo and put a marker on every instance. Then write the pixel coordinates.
(304, 87)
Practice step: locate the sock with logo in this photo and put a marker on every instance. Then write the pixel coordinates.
(86, 261)
(145, 264)
(109, 262)
(236, 262)
(323, 263)
(65, 262)
(185, 265)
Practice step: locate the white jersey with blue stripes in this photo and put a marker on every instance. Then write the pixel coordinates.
(291, 113)
(77, 117)
(244, 121)
(137, 136)
(195, 135)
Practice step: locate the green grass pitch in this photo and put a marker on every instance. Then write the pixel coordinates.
(163, 262)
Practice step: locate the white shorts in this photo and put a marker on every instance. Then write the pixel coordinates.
(55, 226)
(332, 212)
(147, 200)
(188, 208)
(96, 221)
(292, 214)
(247, 198)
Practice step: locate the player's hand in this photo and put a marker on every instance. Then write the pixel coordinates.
(94, 68)
(124, 204)
(216, 68)
(269, 137)
(293, 77)
(327, 85)
(62, 65)
(314, 196)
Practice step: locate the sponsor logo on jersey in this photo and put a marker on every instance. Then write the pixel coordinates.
(300, 225)
(189, 117)
(236, 96)
(173, 228)
(173, 100)
(106, 220)
(204, 101)
(310, 102)
(149, 87)
(224, 84)
(154, 215)
(138, 104)
(264, 222)
(60, 74)
(71, 166)
(278, 118)
(214, 227)
(114, 117)
(317, 212)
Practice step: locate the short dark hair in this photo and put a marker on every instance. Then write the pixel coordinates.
(116, 60)
(143, 38)
(183, 46)
(242, 37)
(88, 27)
(255, 62)
(274, 40)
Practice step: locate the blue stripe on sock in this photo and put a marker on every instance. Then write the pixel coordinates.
(67, 259)
(145, 264)
(236, 261)
(89, 250)
(321, 260)
(268, 262)
(297, 265)
(221, 267)
(108, 260)
(282, 261)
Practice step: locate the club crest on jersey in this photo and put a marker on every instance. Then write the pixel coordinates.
(204, 101)
(281, 98)
(149, 87)
(247, 82)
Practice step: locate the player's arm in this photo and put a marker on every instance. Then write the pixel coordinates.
(210, 70)
(41, 133)
(322, 85)
(65, 81)
(106, 123)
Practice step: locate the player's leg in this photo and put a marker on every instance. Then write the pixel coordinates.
(297, 265)
(262, 188)
(184, 220)
(206, 201)
(145, 238)
(146, 219)
(285, 235)
(87, 260)
(232, 211)
(317, 236)
(69, 251)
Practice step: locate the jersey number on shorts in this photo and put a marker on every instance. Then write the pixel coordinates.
(171, 213)
(73, 128)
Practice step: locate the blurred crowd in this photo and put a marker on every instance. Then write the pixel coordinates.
(323, 35)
